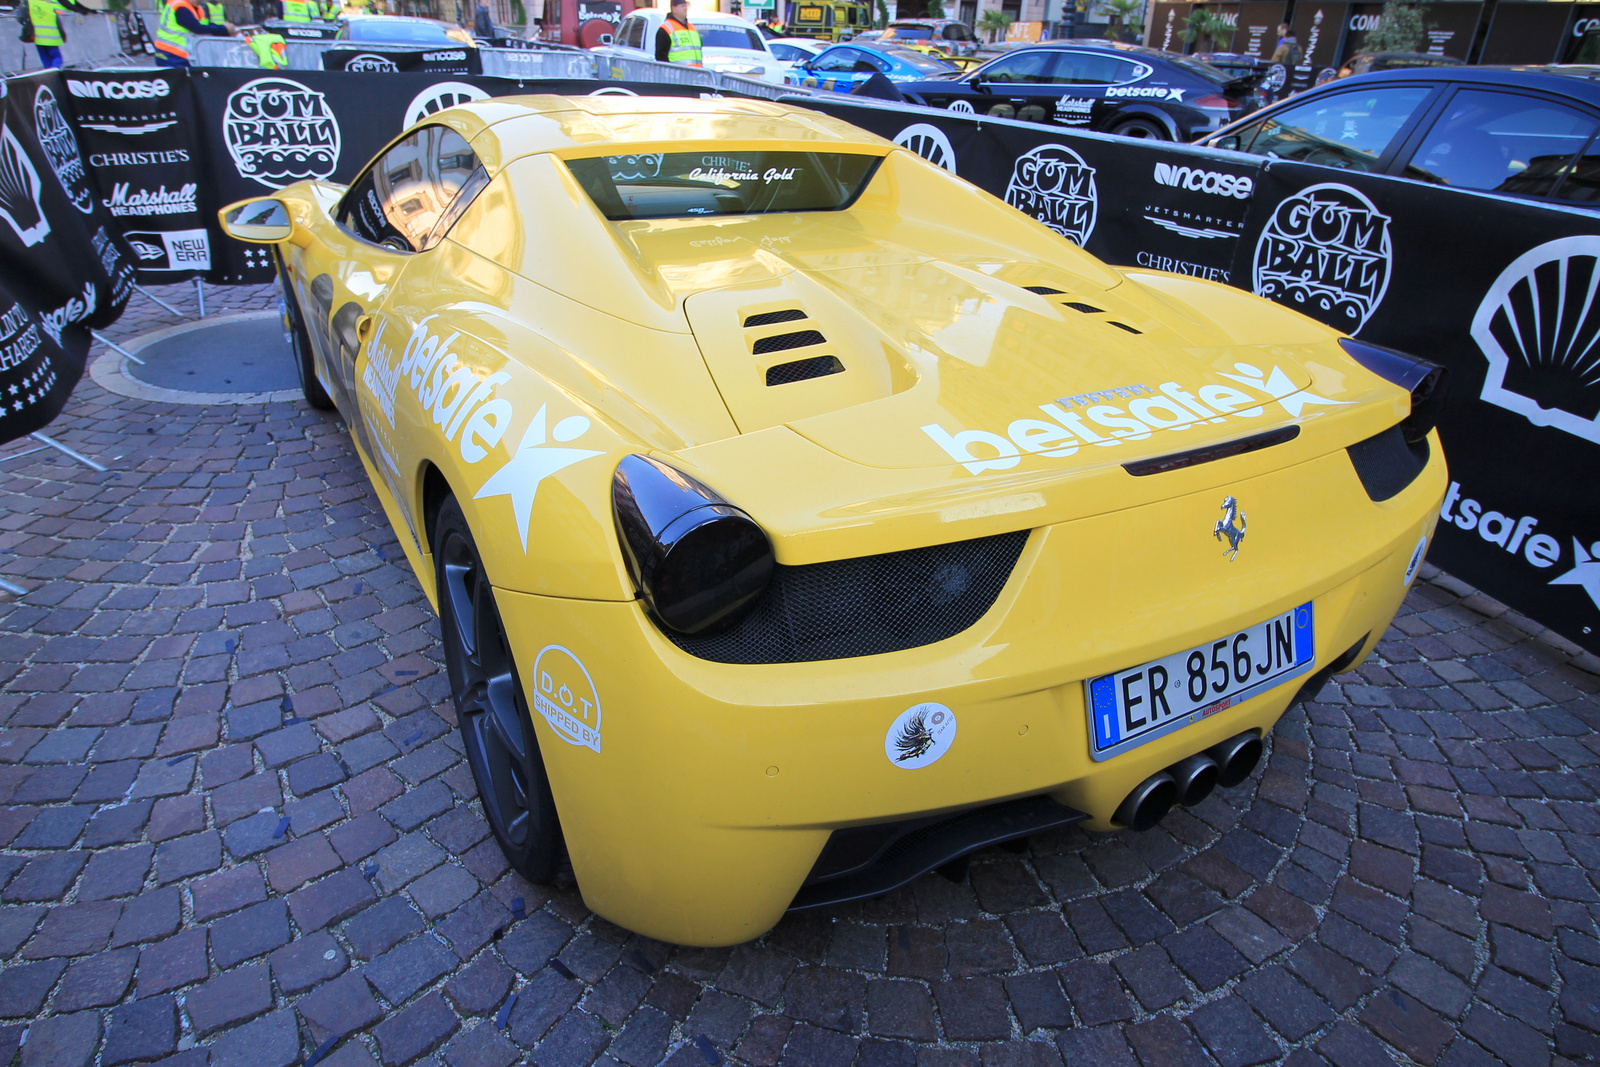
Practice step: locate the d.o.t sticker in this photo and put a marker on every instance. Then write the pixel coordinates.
(565, 695)
(920, 735)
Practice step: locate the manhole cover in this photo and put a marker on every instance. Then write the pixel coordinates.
(228, 359)
(226, 356)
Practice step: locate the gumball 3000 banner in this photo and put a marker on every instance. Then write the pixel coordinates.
(63, 269)
(1503, 292)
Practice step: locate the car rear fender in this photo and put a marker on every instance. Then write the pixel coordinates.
(1145, 111)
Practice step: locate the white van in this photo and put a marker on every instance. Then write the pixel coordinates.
(729, 44)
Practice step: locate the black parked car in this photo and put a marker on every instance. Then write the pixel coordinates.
(1113, 88)
(1519, 131)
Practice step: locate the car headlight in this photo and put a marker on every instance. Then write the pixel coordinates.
(698, 562)
(1428, 383)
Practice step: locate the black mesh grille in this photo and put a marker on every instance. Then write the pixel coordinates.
(867, 606)
(782, 342)
(1087, 309)
(1386, 464)
(801, 369)
(767, 318)
(1124, 326)
(1042, 290)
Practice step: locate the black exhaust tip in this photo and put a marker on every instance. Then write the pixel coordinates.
(1196, 777)
(1236, 758)
(1149, 802)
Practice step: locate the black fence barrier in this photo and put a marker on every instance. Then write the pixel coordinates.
(63, 269)
(1503, 292)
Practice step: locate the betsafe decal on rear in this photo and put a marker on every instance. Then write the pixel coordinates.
(1171, 406)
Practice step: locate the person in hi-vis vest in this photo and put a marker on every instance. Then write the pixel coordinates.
(179, 20)
(300, 10)
(677, 41)
(46, 18)
(216, 13)
(271, 50)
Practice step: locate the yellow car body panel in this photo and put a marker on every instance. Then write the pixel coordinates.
(995, 378)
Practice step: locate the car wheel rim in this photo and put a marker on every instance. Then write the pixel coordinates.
(488, 700)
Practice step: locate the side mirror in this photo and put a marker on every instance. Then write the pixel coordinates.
(264, 221)
(607, 38)
(1231, 142)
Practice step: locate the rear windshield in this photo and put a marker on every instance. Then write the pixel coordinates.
(664, 185)
(917, 61)
(1199, 69)
(915, 33)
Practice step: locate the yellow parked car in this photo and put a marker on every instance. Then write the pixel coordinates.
(801, 518)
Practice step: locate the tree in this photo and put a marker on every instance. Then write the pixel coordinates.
(935, 9)
(883, 15)
(1127, 14)
(1399, 30)
(1207, 25)
(994, 23)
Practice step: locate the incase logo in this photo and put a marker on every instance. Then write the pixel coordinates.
(118, 90)
(444, 57)
(1205, 181)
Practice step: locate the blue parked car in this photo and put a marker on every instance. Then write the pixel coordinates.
(844, 66)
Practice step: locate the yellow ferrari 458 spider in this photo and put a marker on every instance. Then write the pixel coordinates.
(801, 518)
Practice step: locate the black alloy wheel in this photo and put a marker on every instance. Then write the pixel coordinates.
(304, 362)
(1148, 129)
(492, 707)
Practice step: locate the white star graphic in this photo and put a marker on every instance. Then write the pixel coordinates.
(1586, 572)
(1278, 386)
(533, 463)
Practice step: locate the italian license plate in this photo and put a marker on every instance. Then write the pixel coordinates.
(1140, 704)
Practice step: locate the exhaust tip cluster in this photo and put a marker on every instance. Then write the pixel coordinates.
(1189, 781)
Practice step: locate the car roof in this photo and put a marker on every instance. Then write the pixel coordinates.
(523, 125)
(1578, 82)
(707, 17)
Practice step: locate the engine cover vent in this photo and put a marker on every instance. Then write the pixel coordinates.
(1042, 290)
(802, 369)
(782, 342)
(769, 318)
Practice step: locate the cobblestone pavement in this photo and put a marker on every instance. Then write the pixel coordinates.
(237, 829)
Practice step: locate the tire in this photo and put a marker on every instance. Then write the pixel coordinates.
(1148, 129)
(305, 364)
(492, 708)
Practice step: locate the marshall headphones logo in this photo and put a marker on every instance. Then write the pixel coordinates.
(1326, 252)
(61, 149)
(1539, 328)
(279, 132)
(1054, 185)
(371, 64)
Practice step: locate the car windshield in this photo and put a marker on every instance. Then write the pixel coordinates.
(396, 30)
(915, 33)
(730, 37)
(917, 61)
(661, 185)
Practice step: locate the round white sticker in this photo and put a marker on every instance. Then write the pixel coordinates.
(1416, 559)
(920, 735)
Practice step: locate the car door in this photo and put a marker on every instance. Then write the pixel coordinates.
(1359, 129)
(835, 69)
(1105, 83)
(1499, 140)
(1022, 85)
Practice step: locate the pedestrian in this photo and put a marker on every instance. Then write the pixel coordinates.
(180, 19)
(44, 18)
(300, 10)
(1288, 51)
(677, 41)
(482, 24)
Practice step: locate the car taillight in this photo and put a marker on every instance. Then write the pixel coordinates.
(698, 562)
(1428, 383)
(1214, 101)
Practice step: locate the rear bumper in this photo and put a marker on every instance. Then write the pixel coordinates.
(703, 794)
